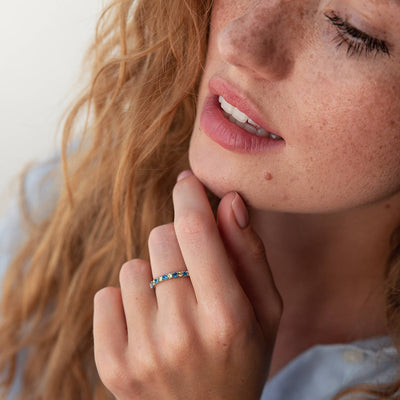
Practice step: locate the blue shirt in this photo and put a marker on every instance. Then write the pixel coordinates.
(321, 371)
(316, 374)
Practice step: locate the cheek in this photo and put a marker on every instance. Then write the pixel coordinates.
(351, 138)
(340, 156)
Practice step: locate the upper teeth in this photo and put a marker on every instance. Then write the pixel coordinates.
(241, 119)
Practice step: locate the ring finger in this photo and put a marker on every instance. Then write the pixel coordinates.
(166, 257)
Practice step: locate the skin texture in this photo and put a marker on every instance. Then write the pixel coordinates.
(339, 115)
(322, 210)
(191, 339)
(326, 205)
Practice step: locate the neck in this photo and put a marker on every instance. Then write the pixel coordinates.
(329, 270)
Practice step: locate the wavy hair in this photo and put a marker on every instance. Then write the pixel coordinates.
(133, 122)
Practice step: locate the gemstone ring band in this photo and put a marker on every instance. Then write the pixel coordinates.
(165, 277)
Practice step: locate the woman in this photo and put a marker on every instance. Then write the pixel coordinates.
(289, 114)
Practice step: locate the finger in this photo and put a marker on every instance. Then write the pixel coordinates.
(202, 248)
(109, 326)
(248, 254)
(139, 300)
(166, 257)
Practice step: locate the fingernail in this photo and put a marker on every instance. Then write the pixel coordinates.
(240, 211)
(184, 174)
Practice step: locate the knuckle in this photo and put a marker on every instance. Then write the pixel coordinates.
(103, 295)
(256, 249)
(131, 268)
(178, 345)
(193, 223)
(146, 364)
(161, 235)
(226, 328)
(115, 375)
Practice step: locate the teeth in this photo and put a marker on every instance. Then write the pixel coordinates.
(250, 128)
(241, 119)
(251, 122)
(263, 133)
(225, 105)
(237, 114)
(232, 119)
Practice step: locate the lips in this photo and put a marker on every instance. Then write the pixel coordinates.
(240, 100)
(237, 117)
(227, 134)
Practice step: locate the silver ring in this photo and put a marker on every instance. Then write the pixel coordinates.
(165, 277)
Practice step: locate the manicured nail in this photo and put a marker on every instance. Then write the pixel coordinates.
(240, 211)
(184, 174)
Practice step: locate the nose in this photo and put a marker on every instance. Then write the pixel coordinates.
(260, 42)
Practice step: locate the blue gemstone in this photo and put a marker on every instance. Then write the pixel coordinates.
(156, 280)
(165, 277)
(185, 273)
(174, 274)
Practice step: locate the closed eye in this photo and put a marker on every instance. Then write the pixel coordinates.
(358, 42)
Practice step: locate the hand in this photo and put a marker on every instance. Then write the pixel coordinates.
(210, 336)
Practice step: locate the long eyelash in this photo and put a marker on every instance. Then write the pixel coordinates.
(357, 41)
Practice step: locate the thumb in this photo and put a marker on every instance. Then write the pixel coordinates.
(247, 253)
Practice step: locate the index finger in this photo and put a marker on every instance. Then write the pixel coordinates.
(201, 245)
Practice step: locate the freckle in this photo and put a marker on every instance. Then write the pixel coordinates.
(268, 176)
(387, 206)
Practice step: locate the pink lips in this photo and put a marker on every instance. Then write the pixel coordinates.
(227, 134)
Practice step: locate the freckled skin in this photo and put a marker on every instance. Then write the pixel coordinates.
(339, 115)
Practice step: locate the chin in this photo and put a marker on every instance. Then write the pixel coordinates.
(220, 176)
(204, 168)
(211, 182)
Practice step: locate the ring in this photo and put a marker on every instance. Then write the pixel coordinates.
(165, 277)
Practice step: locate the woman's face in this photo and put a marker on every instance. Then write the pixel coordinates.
(322, 75)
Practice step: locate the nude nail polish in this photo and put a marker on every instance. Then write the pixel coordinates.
(240, 211)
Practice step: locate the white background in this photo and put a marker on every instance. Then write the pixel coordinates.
(42, 44)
